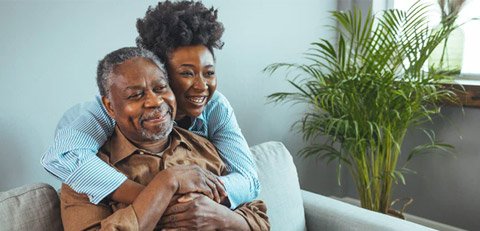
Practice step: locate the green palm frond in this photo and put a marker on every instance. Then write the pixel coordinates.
(364, 91)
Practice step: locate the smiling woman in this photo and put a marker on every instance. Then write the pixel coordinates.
(193, 79)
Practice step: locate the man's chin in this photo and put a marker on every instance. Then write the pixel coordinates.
(161, 133)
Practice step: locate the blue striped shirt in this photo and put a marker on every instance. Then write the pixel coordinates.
(85, 127)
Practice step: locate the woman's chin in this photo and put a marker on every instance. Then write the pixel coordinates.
(194, 114)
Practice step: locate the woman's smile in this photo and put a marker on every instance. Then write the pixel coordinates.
(192, 78)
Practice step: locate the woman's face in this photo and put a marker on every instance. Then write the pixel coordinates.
(192, 78)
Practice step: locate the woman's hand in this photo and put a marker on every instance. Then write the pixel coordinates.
(197, 212)
(192, 178)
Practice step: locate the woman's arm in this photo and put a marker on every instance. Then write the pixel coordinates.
(80, 133)
(241, 181)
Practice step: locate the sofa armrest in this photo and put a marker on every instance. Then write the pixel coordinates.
(30, 207)
(324, 213)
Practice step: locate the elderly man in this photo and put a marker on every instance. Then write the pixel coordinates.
(149, 150)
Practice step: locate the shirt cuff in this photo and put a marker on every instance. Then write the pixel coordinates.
(238, 189)
(95, 178)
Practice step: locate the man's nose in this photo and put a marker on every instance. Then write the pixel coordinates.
(153, 100)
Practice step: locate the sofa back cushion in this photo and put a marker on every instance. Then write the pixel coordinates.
(280, 188)
(30, 207)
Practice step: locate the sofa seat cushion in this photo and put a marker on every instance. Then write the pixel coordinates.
(280, 188)
(30, 207)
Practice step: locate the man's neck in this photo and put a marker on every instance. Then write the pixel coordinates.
(156, 146)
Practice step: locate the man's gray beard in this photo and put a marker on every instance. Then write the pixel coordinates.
(162, 134)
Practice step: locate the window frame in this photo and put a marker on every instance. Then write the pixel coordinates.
(465, 85)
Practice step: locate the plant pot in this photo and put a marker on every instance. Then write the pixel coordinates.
(395, 213)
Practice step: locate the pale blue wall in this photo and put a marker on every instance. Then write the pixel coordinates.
(49, 51)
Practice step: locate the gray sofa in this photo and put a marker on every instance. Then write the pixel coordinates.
(36, 206)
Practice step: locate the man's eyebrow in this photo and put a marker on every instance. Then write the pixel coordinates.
(135, 87)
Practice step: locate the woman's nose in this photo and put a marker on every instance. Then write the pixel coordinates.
(200, 83)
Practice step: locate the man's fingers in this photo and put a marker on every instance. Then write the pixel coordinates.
(176, 229)
(188, 197)
(219, 184)
(220, 188)
(207, 189)
(180, 225)
(177, 208)
(201, 181)
(214, 190)
(174, 219)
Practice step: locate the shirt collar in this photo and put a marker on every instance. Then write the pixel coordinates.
(197, 122)
(119, 147)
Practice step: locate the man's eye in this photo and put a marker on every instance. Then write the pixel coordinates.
(160, 88)
(136, 95)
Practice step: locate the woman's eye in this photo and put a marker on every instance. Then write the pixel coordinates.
(210, 73)
(186, 73)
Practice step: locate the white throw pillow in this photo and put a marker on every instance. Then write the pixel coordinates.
(280, 188)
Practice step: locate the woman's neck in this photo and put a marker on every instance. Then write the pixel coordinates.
(184, 122)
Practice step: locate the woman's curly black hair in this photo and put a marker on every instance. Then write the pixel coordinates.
(173, 24)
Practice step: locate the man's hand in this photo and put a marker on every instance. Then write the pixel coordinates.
(192, 178)
(197, 212)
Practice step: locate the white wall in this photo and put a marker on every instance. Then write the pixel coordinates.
(49, 52)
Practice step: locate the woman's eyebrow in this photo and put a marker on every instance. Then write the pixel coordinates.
(187, 65)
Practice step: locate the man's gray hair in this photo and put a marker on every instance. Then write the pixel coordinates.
(107, 65)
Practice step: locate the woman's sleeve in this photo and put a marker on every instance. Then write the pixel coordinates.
(72, 157)
(241, 181)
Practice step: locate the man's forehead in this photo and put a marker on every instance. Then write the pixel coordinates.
(137, 69)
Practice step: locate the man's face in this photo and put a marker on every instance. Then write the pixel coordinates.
(141, 101)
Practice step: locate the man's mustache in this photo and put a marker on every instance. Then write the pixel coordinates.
(158, 112)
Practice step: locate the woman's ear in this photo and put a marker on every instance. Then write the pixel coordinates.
(108, 106)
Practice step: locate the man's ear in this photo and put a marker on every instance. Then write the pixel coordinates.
(108, 106)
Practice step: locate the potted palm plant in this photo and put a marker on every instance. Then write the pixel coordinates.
(364, 91)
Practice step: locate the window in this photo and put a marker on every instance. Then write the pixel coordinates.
(471, 30)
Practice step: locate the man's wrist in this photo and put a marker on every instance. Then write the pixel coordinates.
(234, 221)
(167, 178)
